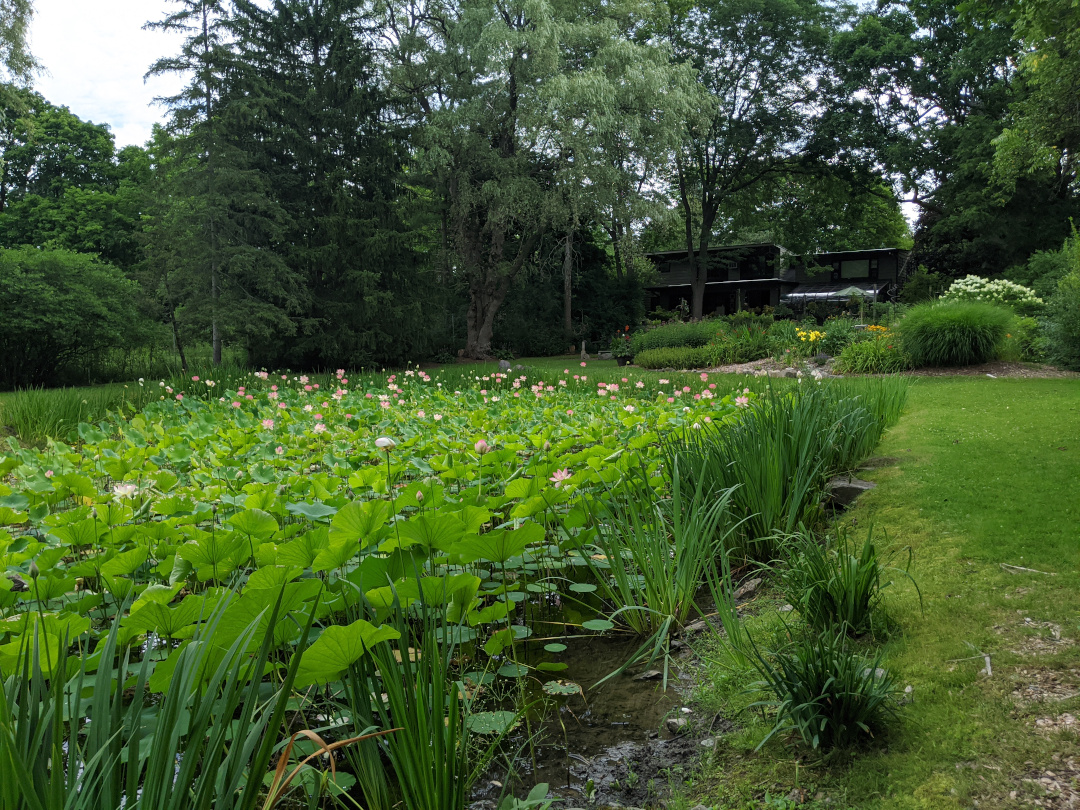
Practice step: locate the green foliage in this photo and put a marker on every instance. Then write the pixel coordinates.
(1026, 341)
(880, 354)
(839, 332)
(677, 335)
(58, 308)
(680, 358)
(826, 692)
(1063, 321)
(779, 455)
(953, 334)
(653, 554)
(834, 584)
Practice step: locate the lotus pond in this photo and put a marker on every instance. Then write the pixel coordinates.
(320, 591)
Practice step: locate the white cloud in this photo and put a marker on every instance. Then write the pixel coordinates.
(96, 54)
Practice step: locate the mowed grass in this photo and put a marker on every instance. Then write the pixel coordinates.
(987, 475)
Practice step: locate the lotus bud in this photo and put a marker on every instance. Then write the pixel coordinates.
(385, 443)
(35, 572)
(481, 447)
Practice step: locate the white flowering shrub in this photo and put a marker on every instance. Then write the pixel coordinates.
(997, 291)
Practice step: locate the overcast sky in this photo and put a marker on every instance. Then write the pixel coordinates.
(96, 53)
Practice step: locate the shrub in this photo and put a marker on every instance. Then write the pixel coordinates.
(1063, 321)
(742, 344)
(838, 333)
(748, 317)
(58, 307)
(881, 353)
(674, 335)
(1001, 292)
(954, 333)
(678, 358)
(1025, 341)
(827, 692)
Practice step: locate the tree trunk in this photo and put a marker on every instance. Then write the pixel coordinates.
(177, 342)
(567, 268)
(485, 298)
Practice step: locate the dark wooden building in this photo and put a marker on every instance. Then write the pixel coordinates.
(754, 276)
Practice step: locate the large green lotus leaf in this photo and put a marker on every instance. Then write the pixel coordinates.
(474, 518)
(359, 522)
(312, 511)
(256, 605)
(265, 498)
(272, 576)
(214, 554)
(255, 523)
(114, 514)
(90, 434)
(434, 532)
(80, 486)
(337, 648)
(125, 563)
(14, 655)
(163, 619)
(305, 549)
(51, 585)
(86, 532)
(336, 555)
(499, 545)
(523, 488)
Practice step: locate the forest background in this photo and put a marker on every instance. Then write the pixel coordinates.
(362, 183)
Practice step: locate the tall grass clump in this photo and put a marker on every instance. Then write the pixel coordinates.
(37, 414)
(777, 458)
(653, 554)
(73, 740)
(410, 684)
(959, 333)
(837, 583)
(821, 688)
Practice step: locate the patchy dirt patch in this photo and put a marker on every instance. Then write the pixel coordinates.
(1040, 685)
(998, 369)
(1057, 787)
(1052, 725)
(1030, 638)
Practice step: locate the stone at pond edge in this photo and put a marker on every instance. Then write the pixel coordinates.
(650, 675)
(843, 490)
(747, 589)
(677, 725)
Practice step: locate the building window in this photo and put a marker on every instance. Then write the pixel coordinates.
(855, 268)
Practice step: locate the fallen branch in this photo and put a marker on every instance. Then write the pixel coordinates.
(1016, 569)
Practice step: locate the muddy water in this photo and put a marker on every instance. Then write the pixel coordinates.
(606, 745)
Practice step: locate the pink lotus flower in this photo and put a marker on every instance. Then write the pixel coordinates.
(420, 414)
(236, 404)
(282, 406)
(481, 447)
(268, 424)
(179, 397)
(742, 402)
(639, 384)
(49, 473)
(195, 378)
(320, 427)
(438, 417)
(559, 476)
(629, 408)
(583, 364)
(704, 376)
(279, 449)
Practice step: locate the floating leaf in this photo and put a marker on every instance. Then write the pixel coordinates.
(491, 722)
(597, 625)
(562, 688)
(555, 648)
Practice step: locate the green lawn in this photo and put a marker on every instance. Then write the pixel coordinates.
(987, 473)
